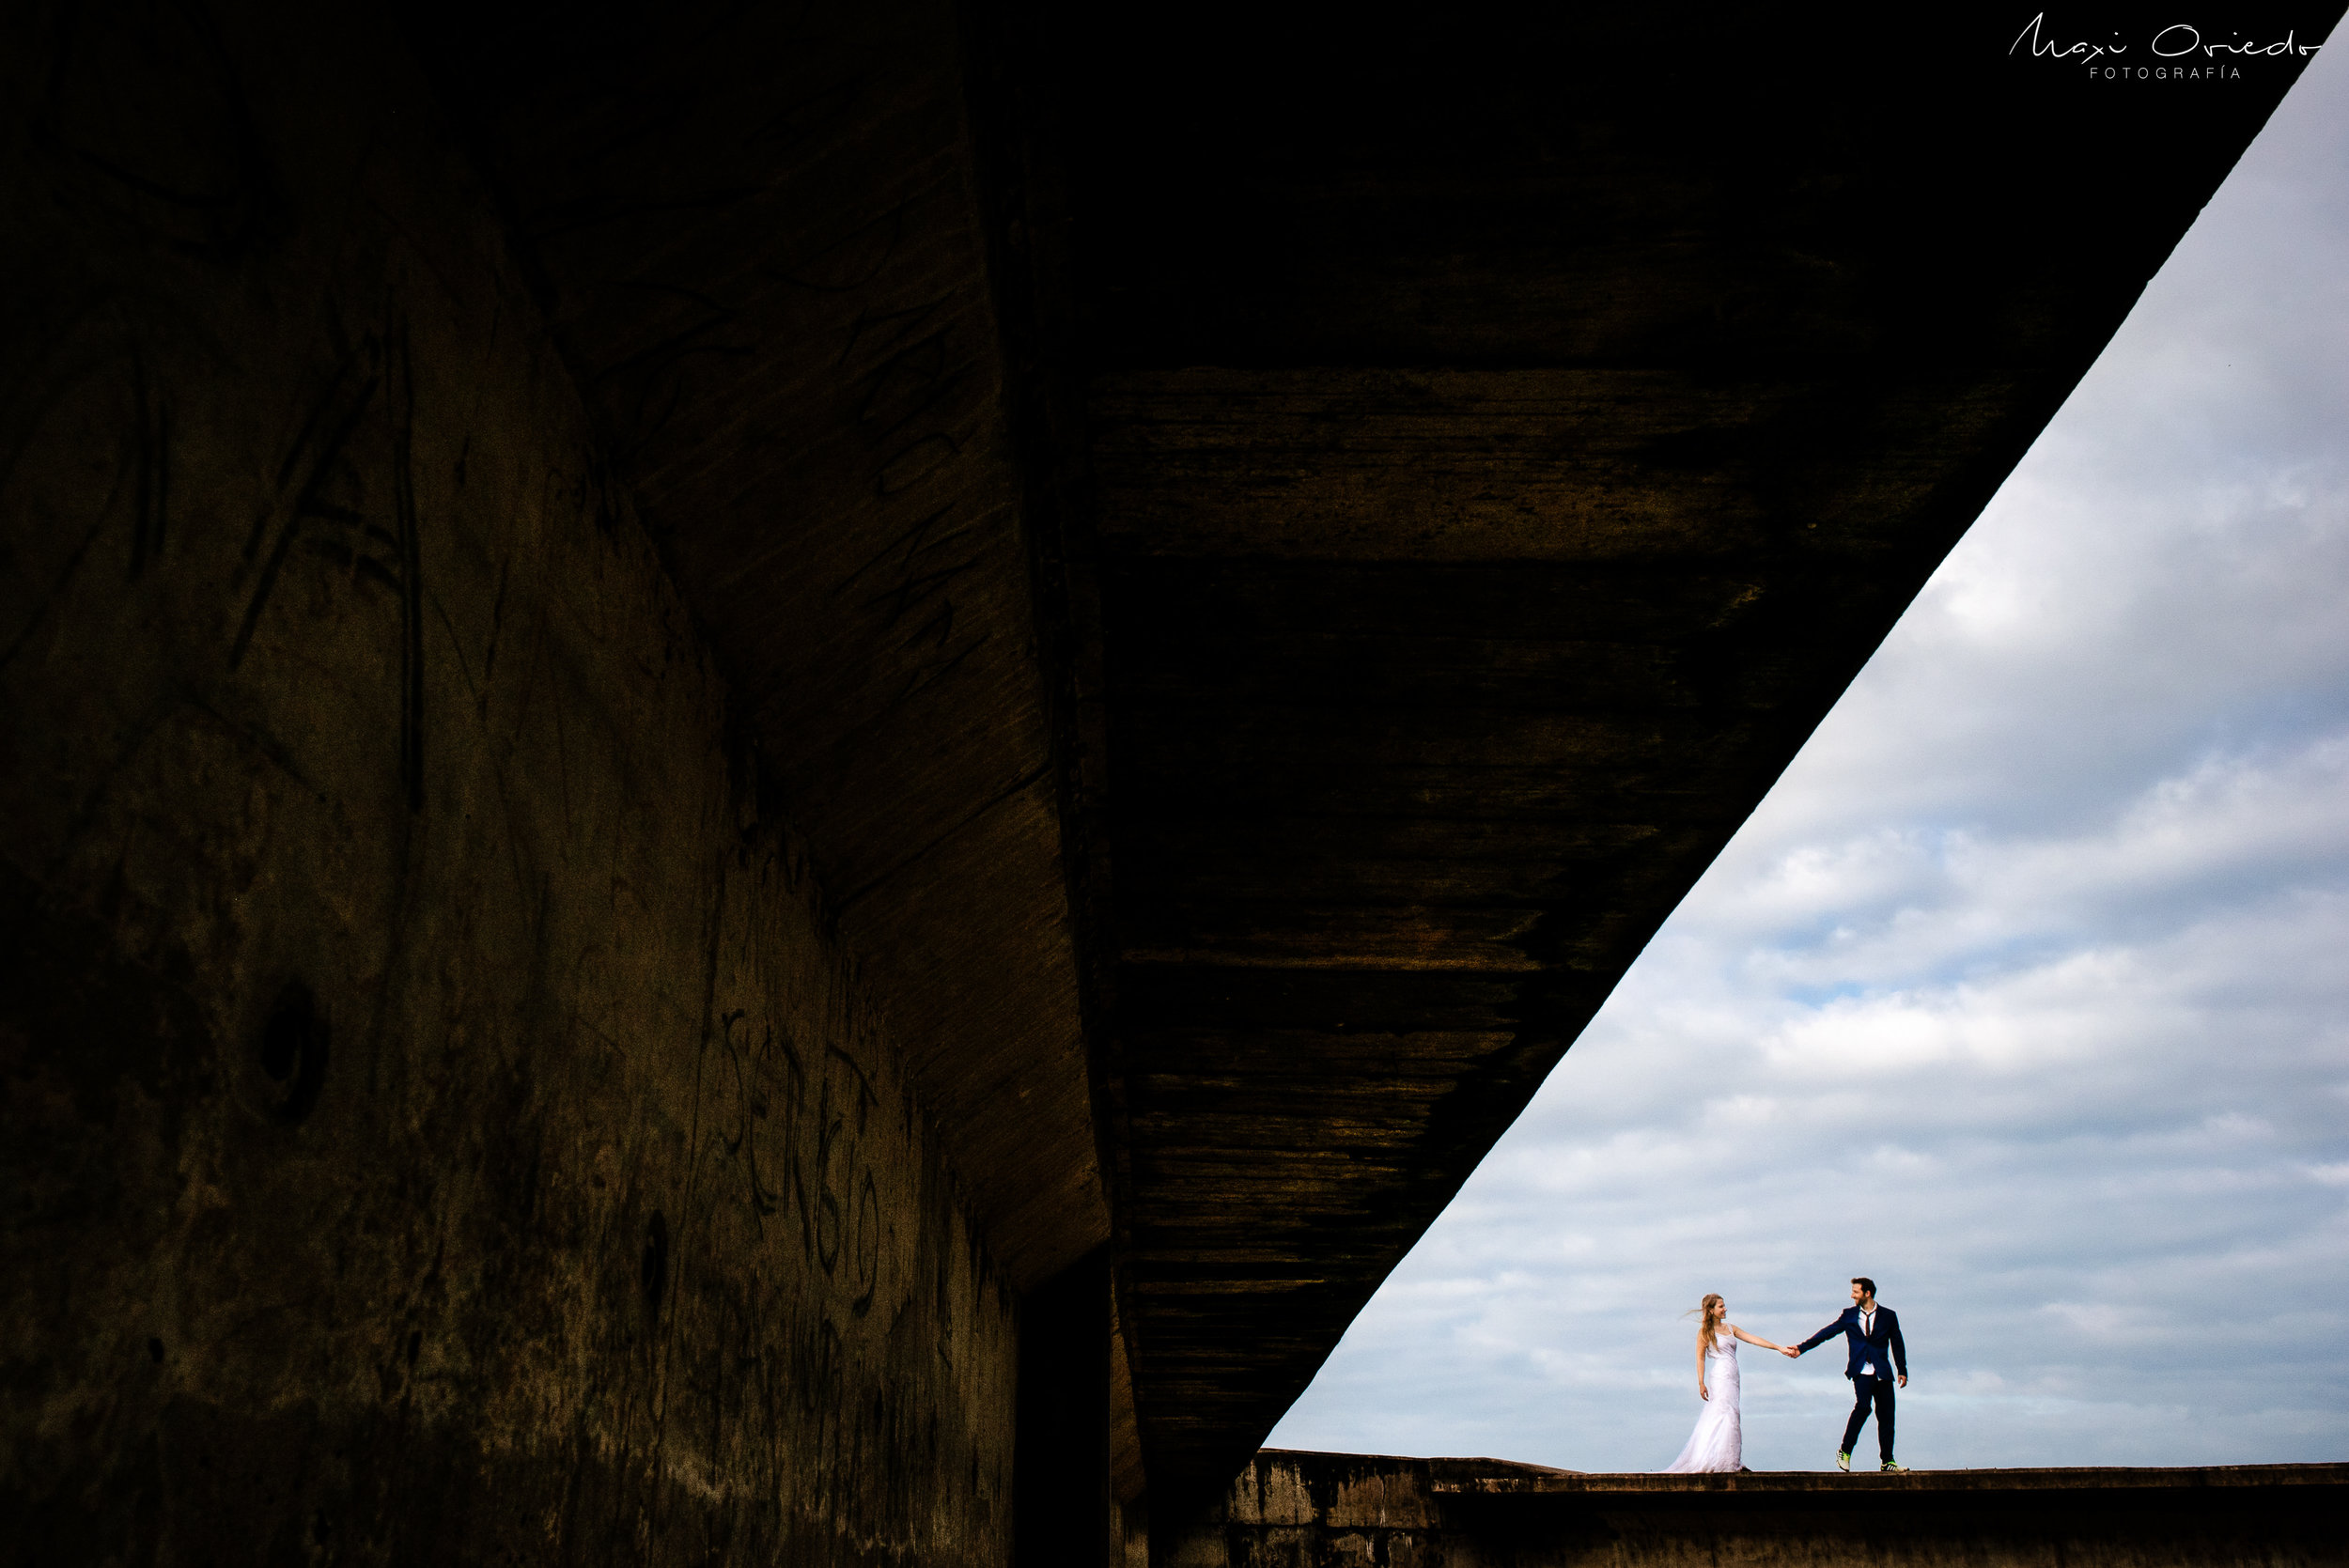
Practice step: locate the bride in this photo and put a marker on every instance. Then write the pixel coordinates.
(1716, 1444)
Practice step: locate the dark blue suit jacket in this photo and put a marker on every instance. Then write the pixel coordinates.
(1883, 1347)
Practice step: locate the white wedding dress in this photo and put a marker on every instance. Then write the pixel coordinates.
(1716, 1444)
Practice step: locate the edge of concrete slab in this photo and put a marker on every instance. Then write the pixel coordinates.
(1506, 1477)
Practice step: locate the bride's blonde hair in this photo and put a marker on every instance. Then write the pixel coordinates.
(1710, 1308)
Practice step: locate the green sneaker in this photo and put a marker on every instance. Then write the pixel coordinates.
(1843, 1461)
(1896, 1465)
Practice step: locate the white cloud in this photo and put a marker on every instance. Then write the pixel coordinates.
(2025, 991)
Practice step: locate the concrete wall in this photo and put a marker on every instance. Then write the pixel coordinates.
(1293, 1510)
(438, 1126)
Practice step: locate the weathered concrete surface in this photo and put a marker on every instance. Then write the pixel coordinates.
(1300, 1510)
(440, 1124)
(756, 231)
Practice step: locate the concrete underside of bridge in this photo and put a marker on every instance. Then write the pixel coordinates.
(782, 783)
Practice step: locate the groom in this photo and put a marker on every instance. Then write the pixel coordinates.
(1876, 1353)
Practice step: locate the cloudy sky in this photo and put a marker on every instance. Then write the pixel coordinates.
(2027, 991)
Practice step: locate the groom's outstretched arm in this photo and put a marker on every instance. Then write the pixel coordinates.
(1823, 1335)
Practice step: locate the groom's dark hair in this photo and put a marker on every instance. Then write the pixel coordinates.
(1864, 1283)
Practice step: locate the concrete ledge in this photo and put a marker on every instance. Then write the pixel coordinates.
(1503, 1478)
(1304, 1510)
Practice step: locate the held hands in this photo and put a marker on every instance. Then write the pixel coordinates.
(1790, 1352)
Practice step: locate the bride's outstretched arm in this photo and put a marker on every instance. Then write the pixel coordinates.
(1751, 1339)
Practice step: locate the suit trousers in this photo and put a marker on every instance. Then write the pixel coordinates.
(1867, 1390)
